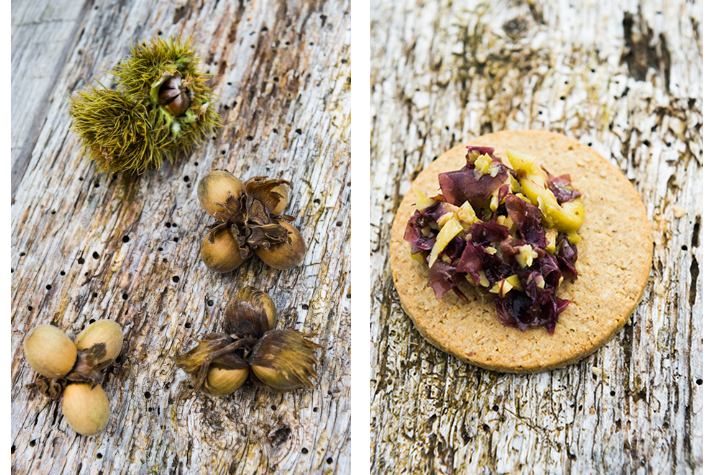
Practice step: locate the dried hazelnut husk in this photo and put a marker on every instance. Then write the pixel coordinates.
(105, 332)
(251, 312)
(216, 351)
(49, 351)
(272, 192)
(223, 254)
(287, 254)
(86, 409)
(215, 189)
(174, 95)
(283, 360)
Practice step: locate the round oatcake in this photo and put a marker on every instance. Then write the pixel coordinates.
(614, 264)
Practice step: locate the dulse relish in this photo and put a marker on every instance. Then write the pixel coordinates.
(509, 231)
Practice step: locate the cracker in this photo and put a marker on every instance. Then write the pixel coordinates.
(614, 262)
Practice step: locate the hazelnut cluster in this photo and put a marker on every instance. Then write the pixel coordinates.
(250, 347)
(249, 221)
(73, 370)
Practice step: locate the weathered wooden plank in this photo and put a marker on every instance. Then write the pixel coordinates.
(624, 77)
(88, 246)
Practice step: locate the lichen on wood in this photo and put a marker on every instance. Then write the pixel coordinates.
(624, 79)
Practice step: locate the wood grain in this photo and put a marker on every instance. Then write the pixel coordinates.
(87, 246)
(623, 77)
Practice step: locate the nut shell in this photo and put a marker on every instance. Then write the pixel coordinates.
(222, 255)
(222, 381)
(283, 190)
(216, 187)
(49, 351)
(287, 255)
(251, 312)
(86, 410)
(103, 331)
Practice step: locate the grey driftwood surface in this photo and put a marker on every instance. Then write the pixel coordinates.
(621, 76)
(87, 246)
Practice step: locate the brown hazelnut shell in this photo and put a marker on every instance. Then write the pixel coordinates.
(286, 255)
(223, 255)
(215, 188)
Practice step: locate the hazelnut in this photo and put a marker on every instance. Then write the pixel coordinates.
(86, 410)
(286, 255)
(107, 332)
(49, 351)
(223, 381)
(223, 255)
(214, 190)
(251, 312)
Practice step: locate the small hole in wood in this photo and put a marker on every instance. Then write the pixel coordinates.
(54, 212)
(124, 296)
(175, 239)
(699, 382)
(188, 325)
(125, 239)
(160, 249)
(95, 255)
(81, 260)
(316, 201)
(147, 395)
(339, 223)
(495, 407)
(304, 451)
(22, 254)
(92, 320)
(186, 179)
(304, 306)
(249, 138)
(86, 274)
(61, 272)
(298, 131)
(30, 308)
(165, 261)
(210, 303)
(315, 409)
(224, 152)
(167, 225)
(329, 460)
(95, 294)
(49, 287)
(176, 279)
(33, 443)
(96, 184)
(684, 247)
(99, 456)
(273, 407)
(12, 450)
(486, 428)
(81, 179)
(612, 393)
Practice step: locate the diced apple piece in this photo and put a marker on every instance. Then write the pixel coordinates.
(526, 256)
(466, 214)
(423, 201)
(482, 164)
(551, 238)
(419, 257)
(514, 281)
(449, 231)
(484, 280)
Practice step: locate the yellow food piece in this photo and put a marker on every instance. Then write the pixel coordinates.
(466, 214)
(526, 256)
(449, 231)
(514, 281)
(551, 238)
(482, 164)
(423, 201)
(566, 218)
